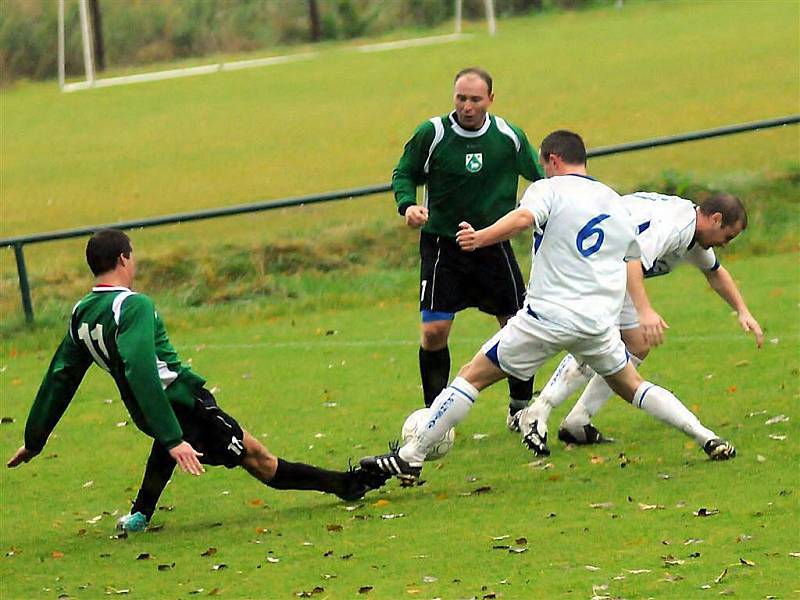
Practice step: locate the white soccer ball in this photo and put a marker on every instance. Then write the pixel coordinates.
(416, 422)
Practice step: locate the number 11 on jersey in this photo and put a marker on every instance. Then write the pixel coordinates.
(100, 352)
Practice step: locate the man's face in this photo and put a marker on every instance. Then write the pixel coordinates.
(472, 99)
(716, 235)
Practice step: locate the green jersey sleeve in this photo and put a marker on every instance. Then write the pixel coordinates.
(58, 387)
(136, 347)
(410, 171)
(527, 158)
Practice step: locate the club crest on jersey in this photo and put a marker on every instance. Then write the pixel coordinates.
(474, 162)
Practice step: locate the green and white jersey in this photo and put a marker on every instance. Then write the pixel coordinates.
(121, 332)
(468, 175)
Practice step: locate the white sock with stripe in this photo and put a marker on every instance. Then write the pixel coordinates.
(567, 379)
(448, 410)
(664, 406)
(593, 398)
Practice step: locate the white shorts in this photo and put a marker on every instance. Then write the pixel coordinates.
(628, 317)
(526, 342)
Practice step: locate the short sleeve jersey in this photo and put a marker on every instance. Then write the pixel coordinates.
(667, 226)
(579, 277)
(468, 175)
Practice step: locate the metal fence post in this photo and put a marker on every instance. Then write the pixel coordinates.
(24, 288)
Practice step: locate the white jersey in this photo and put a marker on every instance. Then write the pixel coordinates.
(666, 226)
(579, 279)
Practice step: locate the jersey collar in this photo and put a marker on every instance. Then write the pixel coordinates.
(582, 176)
(459, 130)
(102, 287)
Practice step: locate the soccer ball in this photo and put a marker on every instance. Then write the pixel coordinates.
(416, 422)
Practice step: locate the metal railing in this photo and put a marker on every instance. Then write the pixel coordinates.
(18, 242)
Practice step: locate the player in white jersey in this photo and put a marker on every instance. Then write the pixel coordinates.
(574, 296)
(672, 230)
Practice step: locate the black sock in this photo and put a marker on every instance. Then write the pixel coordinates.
(521, 393)
(434, 369)
(300, 476)
(160, 466)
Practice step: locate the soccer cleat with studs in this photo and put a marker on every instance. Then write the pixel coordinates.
(357, 482)
(719, 449)
(132, 523)
(591, 435)
(535, 440)
(512, 421)
(391, 464)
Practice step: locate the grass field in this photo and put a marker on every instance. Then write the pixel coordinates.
(277, 375)
(290, 311)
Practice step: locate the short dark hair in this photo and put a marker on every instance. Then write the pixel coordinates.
(104, 248)
(569, 146)
(475, 71)
(728, 205)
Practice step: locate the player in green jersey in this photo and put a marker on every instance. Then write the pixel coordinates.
(470, 162)
(120, 331)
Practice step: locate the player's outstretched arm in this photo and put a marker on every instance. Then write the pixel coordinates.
(650, 321)
(22, 455)
(501, 230)
(721, 282)
(187, 458)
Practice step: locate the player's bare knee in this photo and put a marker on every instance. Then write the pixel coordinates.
(434, 335)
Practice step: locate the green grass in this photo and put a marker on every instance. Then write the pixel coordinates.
(274, 374)
(340, 121)
(250, 300)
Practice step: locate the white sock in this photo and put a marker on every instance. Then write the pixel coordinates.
(664, 406)
(567, 379)
(448, 410)
(594, 397)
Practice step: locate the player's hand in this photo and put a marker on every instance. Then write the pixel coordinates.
(416, 216)
(748, 323)
(653, 327)
(467, 237)
(187, 458)
(22, 455)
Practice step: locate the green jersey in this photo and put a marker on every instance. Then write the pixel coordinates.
(468, 175)
(121, 332)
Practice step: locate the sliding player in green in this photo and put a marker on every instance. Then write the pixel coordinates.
(120, 331)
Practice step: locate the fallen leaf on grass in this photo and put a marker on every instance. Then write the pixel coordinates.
(706, 512)
(776, 419)
(166, 567)
(94, 520)
(501, 537)
(57, 554)
(638, 571)
(143, 556)
(393, 516)
(122, 424)
(501, 547)
(256, 502)
(721, 576)
(541, 465)
(381, 502)
(761, 458)
(591, 568)
(88, 484)
(479, 436)
(794, 554)
(429, 579)
(365, 589)
(210, 552)
(671, 561)
(643, 506)
(742, 363)
(333, 527)
(777, 438)
(669, 578)
(273, 560)
(219, 567)
(603, 505)
(521, 541)
(166, 508)
(5, 420)
(597, 460)
(747, 563)
(346, 556)
(518, 549)
(727, 593)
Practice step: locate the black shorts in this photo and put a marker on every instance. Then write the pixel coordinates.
(211, 431)
(452, 279)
